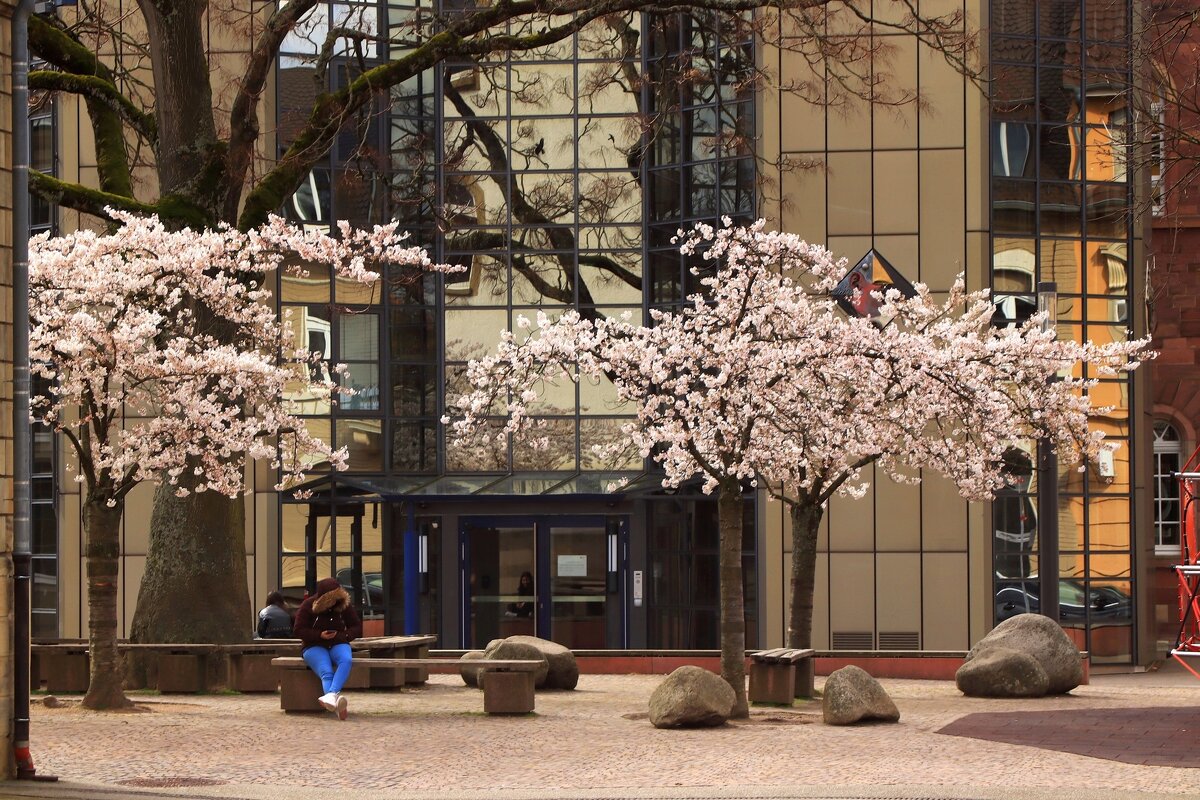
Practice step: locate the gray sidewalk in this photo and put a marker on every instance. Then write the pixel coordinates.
(592, 744)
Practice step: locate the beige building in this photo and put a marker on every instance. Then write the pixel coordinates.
(592, 170)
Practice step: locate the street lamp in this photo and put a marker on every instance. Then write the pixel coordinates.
(1047, 528)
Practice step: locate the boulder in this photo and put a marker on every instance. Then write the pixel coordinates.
(851, 695)
(470, 675)
(691, 697)
(505, 650)
(1002, 672)
(1043, 640)
(563, 670)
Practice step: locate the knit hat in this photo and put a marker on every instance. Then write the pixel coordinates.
(326, 585)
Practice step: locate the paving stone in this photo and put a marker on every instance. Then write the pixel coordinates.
(434, 739)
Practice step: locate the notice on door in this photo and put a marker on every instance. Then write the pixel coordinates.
(572, 566)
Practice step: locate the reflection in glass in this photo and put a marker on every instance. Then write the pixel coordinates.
(362, 437)
(578, 564)
(414, 447)
(1013, 206)
(499, 598)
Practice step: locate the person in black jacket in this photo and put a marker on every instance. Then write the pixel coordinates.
(326, 623)
(274, 621)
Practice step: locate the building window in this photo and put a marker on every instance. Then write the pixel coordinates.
(44, 594)
(1010, 148)
(1167, 452)
(684, 581)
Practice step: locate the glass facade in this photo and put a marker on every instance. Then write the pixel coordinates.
(553, 177)
(43, 216)
(1062, 211)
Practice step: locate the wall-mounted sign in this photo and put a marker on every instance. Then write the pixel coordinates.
(572, 566)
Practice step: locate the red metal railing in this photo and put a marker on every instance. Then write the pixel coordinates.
(1187, 571)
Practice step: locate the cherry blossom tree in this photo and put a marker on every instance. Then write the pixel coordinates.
(166, 362)
(763, 381)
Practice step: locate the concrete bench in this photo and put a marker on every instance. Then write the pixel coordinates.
(781, 675)
(179, 668)
(250, 667)
(508, 688)
(63, 666)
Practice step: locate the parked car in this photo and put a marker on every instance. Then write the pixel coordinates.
(372, 587)
(1074, 602)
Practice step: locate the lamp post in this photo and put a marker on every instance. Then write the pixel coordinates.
(1047, 470)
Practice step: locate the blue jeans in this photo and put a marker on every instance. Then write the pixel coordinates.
(332, 665)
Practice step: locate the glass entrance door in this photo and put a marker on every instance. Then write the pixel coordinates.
(578, 590)
(501, 587)
(558, 578)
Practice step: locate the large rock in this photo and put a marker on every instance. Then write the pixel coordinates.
(505, 650)
(470, 675)
(851, 695)
(1040, 638)
(691, 697)
(563, 670)
(1002, 672)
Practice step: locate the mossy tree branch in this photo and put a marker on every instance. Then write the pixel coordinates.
(243, 116)
(84, 74)
(171, 208)
(99, 90)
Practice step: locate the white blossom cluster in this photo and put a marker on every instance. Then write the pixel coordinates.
(164, 356)
(762, 378)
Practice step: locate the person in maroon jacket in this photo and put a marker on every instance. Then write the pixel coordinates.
(326, 623)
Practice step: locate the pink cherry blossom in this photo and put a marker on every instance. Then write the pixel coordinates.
(762, 379)
(164, 354)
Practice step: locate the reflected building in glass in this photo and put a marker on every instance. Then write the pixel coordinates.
(1062, 202)
(557, 179)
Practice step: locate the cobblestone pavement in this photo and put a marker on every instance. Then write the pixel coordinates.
(435, 740)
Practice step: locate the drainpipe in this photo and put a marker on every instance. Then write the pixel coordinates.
(22, 434)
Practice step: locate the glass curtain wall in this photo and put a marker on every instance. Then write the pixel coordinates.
(1062, 210)
(43, 216)
(530, 170)
(701, 138)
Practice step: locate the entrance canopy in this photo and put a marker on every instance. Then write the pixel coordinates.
(588, 485)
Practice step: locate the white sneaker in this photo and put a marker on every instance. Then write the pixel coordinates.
(342, 710)
(328, 701)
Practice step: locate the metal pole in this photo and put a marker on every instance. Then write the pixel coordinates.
(1047, 527)
(1047, 530)
(22, 441)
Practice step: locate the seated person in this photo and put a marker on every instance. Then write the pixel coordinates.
(326, 623)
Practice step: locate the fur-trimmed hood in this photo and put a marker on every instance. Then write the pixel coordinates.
(333, 600)
(328, 609)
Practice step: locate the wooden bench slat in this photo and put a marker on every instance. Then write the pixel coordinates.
(293, 662)
(782, 655)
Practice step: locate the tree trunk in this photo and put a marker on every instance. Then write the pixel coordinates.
(194, 589)
(189, 155)
(733, 606)
(102, 526)
(806, 524)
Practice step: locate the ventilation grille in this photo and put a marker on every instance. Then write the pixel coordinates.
(853, 641)
(899, 641)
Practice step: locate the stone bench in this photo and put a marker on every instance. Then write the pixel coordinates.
(63, 666)
(250, 667)
(180, 668)
(781, 675)
(508, 688)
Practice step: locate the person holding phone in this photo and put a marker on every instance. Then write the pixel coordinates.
(326, 623)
